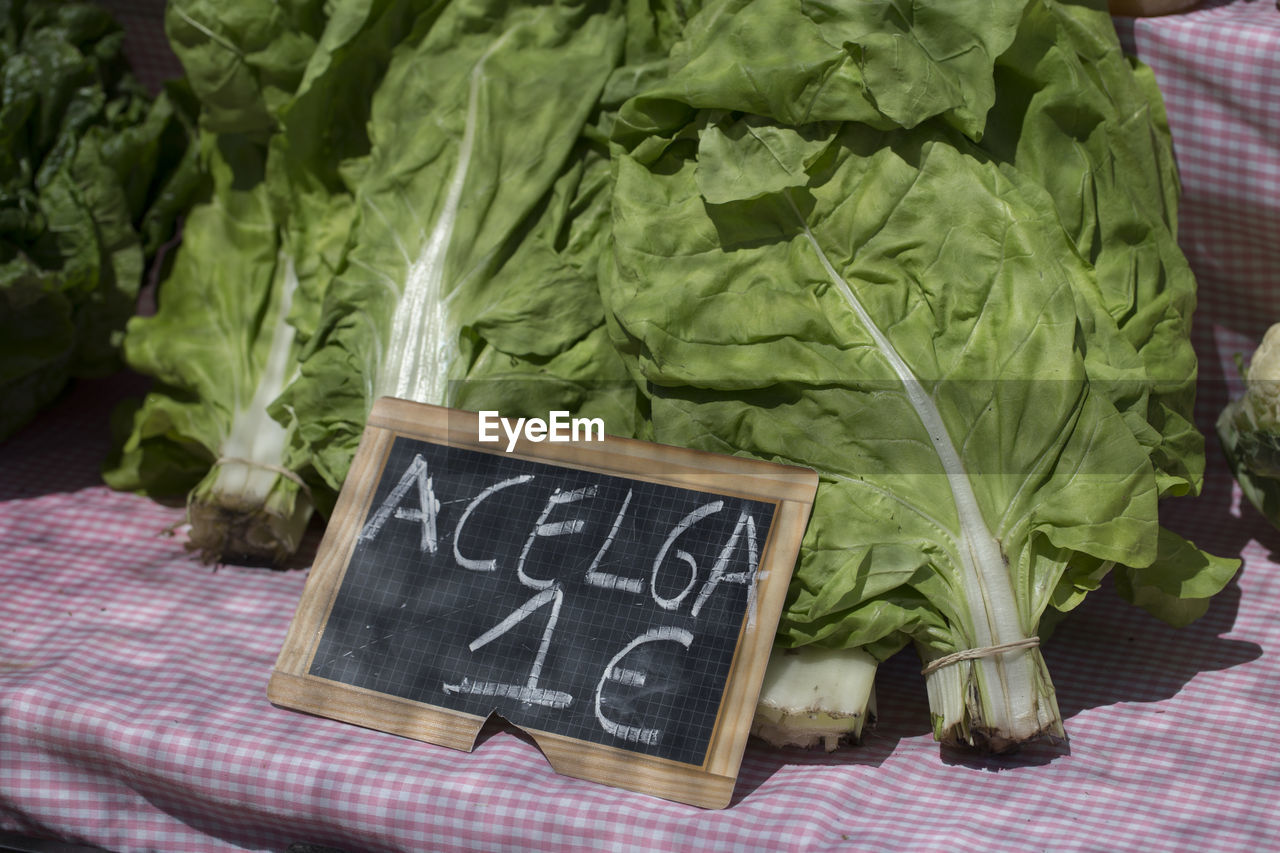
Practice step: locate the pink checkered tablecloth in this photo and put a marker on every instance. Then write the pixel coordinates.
(133, 710)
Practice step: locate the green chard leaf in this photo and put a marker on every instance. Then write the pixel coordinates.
(221, 347)
(1249, 428)
(993, 410)
(244, 60)
(92, 176)
(470, 130)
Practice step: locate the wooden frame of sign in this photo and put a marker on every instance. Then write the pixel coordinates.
(617, 599)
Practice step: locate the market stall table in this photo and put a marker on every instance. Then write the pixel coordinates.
(133, 709)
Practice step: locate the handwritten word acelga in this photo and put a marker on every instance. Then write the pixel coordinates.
(558, 427)
(668, 581)
(615, 599)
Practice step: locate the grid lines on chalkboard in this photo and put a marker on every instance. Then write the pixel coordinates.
(471, 588)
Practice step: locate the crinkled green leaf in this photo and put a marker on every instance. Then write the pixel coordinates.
(513, 370)
(746, 158)
(887, 64)
(1080, 120)
(588, 380)
(476, 119)
(546, 294)
(244, 59)
(92, 177)
(1177, 586)
(203, 335)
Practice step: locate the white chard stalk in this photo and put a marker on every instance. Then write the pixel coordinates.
(250, 505)
(424, 335)
(997, 699)
(815, 697)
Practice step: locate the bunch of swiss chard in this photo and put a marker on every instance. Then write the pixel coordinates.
(933, 257)
(407, 200)
(926, 249)
(93, 172)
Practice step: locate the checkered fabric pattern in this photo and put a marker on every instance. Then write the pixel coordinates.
(133, 710)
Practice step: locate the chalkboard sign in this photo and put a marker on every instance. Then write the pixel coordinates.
(615, 599)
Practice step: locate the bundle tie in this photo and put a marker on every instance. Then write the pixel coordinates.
(275, 469)
(974, 654)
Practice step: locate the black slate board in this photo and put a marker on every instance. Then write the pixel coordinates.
(614, 599)
(534, 635)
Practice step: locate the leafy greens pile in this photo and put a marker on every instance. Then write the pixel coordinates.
(93, 173)
(444, 224)
(960, 301)
(926, 249)
(952, 287)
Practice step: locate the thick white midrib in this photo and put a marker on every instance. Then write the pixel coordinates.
(254, 435)
(212, 36)
(988, 591)
(423, 342)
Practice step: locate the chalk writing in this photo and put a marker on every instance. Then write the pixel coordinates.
(637, 734)
(428, 505)
(529, 691)
(594, 606)
(490, 564)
